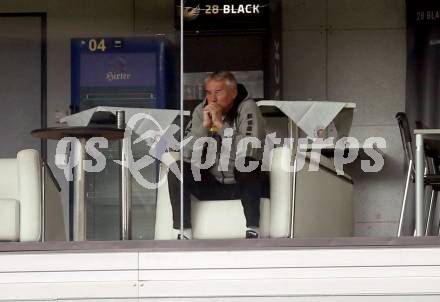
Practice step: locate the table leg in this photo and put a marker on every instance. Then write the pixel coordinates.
(126, 193)
(293, 134)
(43, 201)
(420, 188)
(79, 221)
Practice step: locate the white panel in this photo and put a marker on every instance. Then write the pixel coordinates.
(264, 273)
(315, 298)
(368, 68)
(77, 290)
(354, 14)
(300, 14)
(63, 262)
(304, 65)
(324, 210)
(288, 273)
(281, 287)
(292, 258)
(105, 300)
(69, 276)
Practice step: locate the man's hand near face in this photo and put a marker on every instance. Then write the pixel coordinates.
(213, 116)
(207, 121)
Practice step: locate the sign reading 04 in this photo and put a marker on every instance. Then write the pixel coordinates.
(95, 45)
(223, 14)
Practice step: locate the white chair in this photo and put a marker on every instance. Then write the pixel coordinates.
(21, 200)
(220, 219)
(20, 197)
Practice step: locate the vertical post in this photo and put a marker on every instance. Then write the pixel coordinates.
(182, 2)
(126, 194)
(126, 208)
(293, 134)
(419, 185)
(43, 201)
(79, 221)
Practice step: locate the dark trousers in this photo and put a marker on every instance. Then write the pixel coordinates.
(249, 187)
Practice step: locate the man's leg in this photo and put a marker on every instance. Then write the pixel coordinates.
(174, 186)
(206, 188)
(250, 186)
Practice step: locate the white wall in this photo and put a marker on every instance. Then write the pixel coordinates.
(354, 50)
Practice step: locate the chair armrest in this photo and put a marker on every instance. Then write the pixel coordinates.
(280, 192)
(29, 186)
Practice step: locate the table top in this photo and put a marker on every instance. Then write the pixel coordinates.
(312, 116)
(58, 133)
(431, 137)
(164, 117)
(347, 105)
(426, 131)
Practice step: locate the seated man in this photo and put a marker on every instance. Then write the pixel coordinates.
(226, 113)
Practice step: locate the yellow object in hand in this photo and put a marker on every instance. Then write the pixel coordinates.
(213, 129)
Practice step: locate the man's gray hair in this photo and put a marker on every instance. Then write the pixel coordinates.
(226, 76)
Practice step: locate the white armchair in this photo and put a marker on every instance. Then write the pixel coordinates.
(323, 213)
(20, 197)
(21, 200)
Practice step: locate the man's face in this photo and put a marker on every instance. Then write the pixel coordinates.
(218, 92)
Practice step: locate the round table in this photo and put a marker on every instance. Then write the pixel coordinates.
(82, 134)
(58, 133)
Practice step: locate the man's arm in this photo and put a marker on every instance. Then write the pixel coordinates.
(195, 129)
(250, 123)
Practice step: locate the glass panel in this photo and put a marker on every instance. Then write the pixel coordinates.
(92, 53)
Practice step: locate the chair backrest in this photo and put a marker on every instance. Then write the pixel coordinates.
(432, 158)
(405, 134)
(9, 178)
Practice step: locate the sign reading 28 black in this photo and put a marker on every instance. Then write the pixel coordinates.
(223, 14)
(426, 12)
